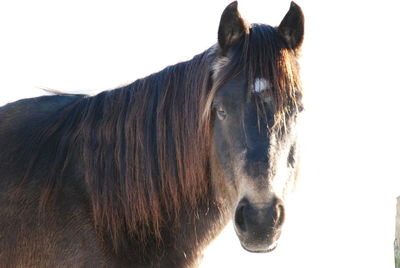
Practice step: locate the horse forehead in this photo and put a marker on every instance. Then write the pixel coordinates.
(260, 85)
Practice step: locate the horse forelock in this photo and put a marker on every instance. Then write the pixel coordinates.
(269, 65)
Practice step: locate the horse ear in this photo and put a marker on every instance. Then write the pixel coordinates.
(231, 27)
(292, 26)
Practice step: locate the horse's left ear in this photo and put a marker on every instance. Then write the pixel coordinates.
(231, 27)
(292, 27)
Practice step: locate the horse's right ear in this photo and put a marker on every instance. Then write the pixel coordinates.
(231, 27)
(292, 27)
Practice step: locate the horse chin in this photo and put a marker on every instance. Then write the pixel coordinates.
(259, 248)
(262, 243)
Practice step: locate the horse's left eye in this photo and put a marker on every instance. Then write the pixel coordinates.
(292, 156)
(221, 113)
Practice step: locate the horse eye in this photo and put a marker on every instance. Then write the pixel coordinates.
(221, 113)
(292, 156)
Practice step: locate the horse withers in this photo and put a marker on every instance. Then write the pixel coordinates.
(146, 175)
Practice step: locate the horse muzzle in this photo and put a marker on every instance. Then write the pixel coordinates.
(258, 226)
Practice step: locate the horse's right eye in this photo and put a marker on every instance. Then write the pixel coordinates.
(221, 113)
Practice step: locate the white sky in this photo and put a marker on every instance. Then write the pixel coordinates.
(342, 214)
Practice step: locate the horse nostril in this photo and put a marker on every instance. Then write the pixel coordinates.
(239, 216)
(258, 220)
(280, 214)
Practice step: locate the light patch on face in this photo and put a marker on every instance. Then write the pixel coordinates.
(218, 64)
(280, 184)
(261, 85)
(283, 180)
(281, 177)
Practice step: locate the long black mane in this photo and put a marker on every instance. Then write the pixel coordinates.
(143, 146)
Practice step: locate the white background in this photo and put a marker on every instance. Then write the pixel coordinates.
(342, 214)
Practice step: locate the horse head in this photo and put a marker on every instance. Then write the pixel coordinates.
(256, 98)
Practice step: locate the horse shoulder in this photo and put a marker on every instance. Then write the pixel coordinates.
(63, 236)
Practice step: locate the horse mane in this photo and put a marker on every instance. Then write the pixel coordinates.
(145, 147)
(146, 150)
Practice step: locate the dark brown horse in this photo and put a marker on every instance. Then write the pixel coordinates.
(148, 174)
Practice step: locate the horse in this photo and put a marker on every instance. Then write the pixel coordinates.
(148, 174)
